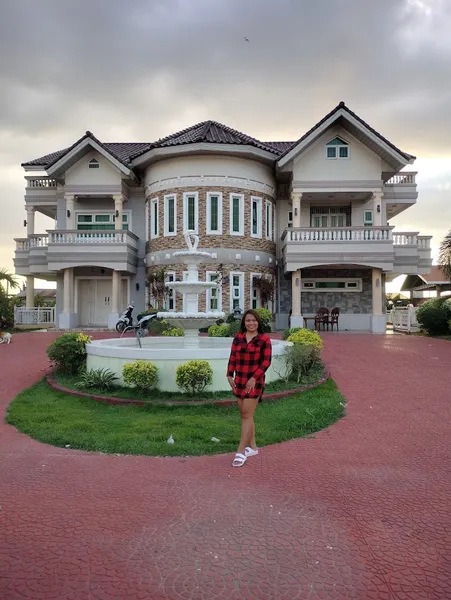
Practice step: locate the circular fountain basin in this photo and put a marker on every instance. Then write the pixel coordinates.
(191, 287)
(167, 353)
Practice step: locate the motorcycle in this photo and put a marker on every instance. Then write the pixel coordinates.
(126, 319)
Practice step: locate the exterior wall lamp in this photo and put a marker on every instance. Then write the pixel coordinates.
(378, 208)
(24, 223)
(297, 281)
(137, 287)
(68, 213)
(296, 211)
(117, 214)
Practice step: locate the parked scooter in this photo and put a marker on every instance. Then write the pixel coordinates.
(126, 319)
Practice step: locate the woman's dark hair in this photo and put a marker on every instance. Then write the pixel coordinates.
(255, 314)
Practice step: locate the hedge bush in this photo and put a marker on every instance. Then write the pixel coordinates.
(194, 376)
(306, 336)
(174, 332)
(68, 352)
(433, 316)
(99, 379)
(219, 331)
(141, 374)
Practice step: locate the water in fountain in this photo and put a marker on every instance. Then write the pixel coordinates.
(191, 320)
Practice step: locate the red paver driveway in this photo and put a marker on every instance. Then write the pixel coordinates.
(360, 510)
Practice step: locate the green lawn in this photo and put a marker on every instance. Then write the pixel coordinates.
(60, 419)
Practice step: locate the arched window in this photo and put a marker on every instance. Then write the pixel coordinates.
(94, 163)
(337, 148)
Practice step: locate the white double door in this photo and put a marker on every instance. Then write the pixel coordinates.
(95, 301)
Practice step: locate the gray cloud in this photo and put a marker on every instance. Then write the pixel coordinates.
(140, 70)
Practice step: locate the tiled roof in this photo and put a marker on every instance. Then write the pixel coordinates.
(121, 150)
(206, 132)
(435, 274)
(343, 106)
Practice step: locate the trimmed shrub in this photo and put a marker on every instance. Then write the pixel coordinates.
(219, 331)
(433, 316)
(194, 376)
(234, 328)
(287, 332)
(101, 379)
(265, 317)
(307, 336)
(158, 326)
(299, 359)
(174, 332)
(141, 374)
(68, 352)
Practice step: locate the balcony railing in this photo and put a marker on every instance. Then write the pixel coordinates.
(41, 182)
(34, 316)
(403, 179)
(338, 234)
(401, 238)
(75, 236)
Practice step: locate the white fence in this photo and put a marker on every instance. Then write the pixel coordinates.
(404, 318)
(35, 316)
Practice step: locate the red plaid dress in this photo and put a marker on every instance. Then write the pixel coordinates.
(249, 360)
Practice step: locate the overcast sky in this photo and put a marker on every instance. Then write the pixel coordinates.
(138, 70)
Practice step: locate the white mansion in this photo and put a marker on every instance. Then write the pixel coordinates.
(309, 217)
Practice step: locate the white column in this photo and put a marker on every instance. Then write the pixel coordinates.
(30, 220)
(68, 291)
(296, 199)
(296, 307)
(70, 214)
(377, 208)
(115, 292)
(30, 292)
(378, 319)
(118, 210)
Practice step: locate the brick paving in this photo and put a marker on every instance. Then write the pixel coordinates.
(358, 511)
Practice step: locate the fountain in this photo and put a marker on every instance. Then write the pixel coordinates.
(167, 353)
(191, 320)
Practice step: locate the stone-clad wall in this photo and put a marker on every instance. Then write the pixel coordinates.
(226, 269)
(347, 302)
(245, 242)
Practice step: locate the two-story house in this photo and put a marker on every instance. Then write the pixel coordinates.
(309, 217)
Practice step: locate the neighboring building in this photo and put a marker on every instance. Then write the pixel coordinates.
(48, 296)
(426, 286)
(310, 216)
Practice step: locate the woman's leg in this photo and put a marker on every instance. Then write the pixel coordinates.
(247, 409)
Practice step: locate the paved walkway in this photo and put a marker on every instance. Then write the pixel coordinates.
(357, 511)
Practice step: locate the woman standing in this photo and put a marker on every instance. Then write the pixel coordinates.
(250, 357)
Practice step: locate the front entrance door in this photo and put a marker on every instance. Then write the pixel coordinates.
(95, 301)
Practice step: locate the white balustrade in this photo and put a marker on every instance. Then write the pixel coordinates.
(405, 238)
(404, 318)
(403, 179)
(339, 234)
(34, 316)
(41, 182)
(424, 241)
(22, 244)
(38, 241)
(93, 237)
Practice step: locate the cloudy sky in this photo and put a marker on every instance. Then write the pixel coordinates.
(138, 70)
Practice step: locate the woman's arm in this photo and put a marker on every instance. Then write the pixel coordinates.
(265, 359)
(231, 367)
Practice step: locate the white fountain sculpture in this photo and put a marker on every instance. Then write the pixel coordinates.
(191, 320)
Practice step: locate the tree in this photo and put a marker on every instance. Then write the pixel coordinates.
(7, 280)
(444, 259)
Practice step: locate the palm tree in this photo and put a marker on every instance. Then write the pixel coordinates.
(8, 279)
(444, 259)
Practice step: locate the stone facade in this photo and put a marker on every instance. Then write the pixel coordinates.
(244, 242)
(347, 302)
(225, 271)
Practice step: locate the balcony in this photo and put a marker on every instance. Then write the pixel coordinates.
(40, 189)
(376, 247)
(63, 249)
(401, 188)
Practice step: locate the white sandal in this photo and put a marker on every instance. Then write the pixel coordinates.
(248, 451)
(239, 460)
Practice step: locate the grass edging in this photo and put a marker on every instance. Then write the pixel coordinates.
(274, 397)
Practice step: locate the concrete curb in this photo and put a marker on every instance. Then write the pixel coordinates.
(226, 402)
